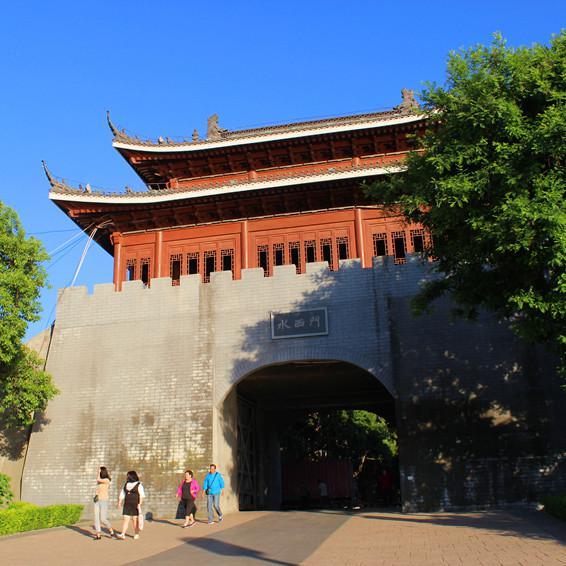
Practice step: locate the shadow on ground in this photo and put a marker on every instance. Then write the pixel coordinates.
(517, 522)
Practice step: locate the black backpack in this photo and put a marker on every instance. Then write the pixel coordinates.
(132, 496)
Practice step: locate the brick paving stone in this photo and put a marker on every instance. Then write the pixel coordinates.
(494, 538)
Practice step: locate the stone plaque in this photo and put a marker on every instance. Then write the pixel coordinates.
(312, 322)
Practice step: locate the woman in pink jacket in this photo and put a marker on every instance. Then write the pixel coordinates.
(187, 493)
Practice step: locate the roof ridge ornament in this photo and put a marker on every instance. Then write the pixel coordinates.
(48, 174)
(214, 131)
(409, 104)
(119, 135)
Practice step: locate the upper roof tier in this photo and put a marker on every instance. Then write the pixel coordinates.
(217, 137)
(225, 156)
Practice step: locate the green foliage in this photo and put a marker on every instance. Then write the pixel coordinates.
(355, 435)
(20, 517)
(25, 388)
(489, 183)
(21, 278)
(555, 505)
(6, 494)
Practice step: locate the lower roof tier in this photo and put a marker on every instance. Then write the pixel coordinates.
(124, 215)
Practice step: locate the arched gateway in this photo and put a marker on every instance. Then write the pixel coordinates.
(252, 266)
(270, 398)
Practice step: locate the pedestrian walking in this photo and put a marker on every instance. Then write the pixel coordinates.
(131, 497)
(213, 488)
(101, 503)
(187, 493)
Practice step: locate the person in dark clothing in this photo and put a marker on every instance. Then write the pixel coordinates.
(131, 497)
(385, 484)
(187, 493)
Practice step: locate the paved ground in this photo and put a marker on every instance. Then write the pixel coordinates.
(517, 538)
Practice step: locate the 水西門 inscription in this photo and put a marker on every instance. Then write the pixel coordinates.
(313, 322)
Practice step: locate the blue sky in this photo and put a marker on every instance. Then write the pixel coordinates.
(163, 67)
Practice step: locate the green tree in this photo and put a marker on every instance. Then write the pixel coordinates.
(24, 386)
(488, 182)
(356, 435)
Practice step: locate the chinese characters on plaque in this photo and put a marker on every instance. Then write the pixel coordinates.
(312, 322)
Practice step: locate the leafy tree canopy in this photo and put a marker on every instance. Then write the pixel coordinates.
(24, 386)
(488, 182)
(339, 434)
(21, 278)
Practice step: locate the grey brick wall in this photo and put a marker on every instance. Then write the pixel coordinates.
(144, 375)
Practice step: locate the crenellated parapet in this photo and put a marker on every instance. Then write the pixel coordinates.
(76, 306)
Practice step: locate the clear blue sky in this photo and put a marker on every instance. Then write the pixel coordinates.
(163, 67)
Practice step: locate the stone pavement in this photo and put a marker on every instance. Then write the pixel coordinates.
(499, 538)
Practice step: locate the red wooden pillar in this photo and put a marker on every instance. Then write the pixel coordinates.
(244, 244)
(360, 236)
(116, 239)
(158, 253)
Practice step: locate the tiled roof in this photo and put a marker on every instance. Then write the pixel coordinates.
(216, 135)
(88, 194)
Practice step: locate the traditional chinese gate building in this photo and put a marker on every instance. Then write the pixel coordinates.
(252, 281)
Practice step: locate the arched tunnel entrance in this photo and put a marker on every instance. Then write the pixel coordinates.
(274, 402)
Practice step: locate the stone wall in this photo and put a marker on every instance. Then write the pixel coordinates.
(147, 380)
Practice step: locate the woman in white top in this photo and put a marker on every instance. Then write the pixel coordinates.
(131, 497)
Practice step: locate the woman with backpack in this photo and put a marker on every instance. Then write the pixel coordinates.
(131, 497)
(187, 493)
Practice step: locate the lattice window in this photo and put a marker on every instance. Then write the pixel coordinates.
(131, 268)
(175, 261)
(380, 247)
(209, 264)
(310, 251)
(227, 258)
(295, 255)
(144, 270)
(343, 247)
(263, 259)
(326, 251)
(399, 246)
(417, 240)
(193, 266)
(278, 254)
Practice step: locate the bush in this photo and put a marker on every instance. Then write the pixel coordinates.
(555, 505)
(21, 516)
(6, 494)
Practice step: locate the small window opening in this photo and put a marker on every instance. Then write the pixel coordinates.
(380, 244)
(263, 259)
(399, 247)
(326, 251)
(175, 268)
(131, 270)
(343, 247)
(278, 254)
(310, 251)
(144, 264)
(417, 239)
(193, 263)
(209, 264)
(227, 260)
(295, 255)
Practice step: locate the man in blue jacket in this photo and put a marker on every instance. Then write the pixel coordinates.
(213, 487)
